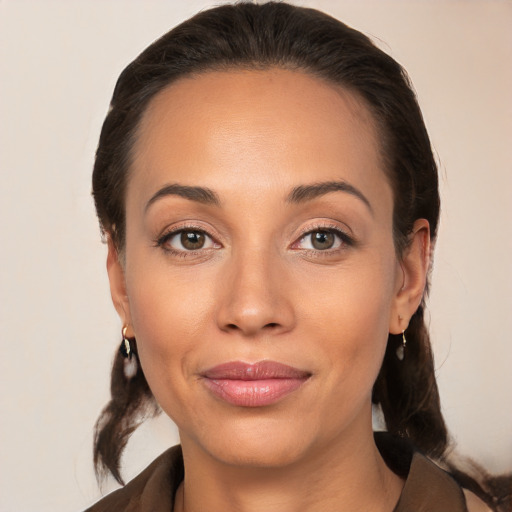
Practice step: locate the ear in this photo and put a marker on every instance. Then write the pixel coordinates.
(117, 281)
(411, 277)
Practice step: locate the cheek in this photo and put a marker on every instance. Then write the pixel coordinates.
(350, 313)
(169, 313)
(165, 302)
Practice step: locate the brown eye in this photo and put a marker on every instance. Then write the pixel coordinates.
(326, 240)
(322, 240)
(185, 241)
(192, 240)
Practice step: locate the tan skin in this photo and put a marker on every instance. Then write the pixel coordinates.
(255, 285)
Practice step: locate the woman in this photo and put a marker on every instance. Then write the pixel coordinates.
(267, 189)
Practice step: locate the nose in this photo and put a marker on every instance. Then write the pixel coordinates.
(255, 298)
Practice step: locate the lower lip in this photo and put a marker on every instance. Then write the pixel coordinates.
(252, 393)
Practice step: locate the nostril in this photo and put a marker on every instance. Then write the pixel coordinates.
(270, 325)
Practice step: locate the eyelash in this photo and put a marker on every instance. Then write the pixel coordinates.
(346, 240)
(169, 235)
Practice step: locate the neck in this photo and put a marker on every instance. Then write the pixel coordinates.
(349, 475)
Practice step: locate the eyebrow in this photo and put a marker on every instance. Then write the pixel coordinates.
(199, 194)
(300, 194)
(305, 193)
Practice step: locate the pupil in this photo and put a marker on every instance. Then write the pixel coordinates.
(323, 240)
(192, 239)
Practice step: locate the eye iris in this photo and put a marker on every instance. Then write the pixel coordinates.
(192, 239)
(322, 240)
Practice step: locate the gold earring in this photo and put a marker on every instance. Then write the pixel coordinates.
(126, 347)
(127, 350)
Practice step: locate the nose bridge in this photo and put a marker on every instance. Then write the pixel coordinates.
(254, 298)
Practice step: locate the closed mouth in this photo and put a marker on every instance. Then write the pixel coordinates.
(253, 384)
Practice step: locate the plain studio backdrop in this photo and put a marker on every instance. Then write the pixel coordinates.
(58, 65)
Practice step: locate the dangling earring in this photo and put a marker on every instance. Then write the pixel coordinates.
(128, 351)
(126, 347)
(400, 351)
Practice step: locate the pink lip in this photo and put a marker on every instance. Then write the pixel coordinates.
(253, 385)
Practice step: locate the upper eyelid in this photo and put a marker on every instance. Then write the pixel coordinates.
(173, 230)
(326, 227)
(321, 227)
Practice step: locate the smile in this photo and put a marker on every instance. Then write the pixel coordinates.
(253, 385)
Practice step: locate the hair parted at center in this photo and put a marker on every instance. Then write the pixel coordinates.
(247, 36)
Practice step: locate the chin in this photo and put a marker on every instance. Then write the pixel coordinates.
(258, 444)
(260, 453)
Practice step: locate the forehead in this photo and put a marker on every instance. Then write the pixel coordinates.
(239, 129)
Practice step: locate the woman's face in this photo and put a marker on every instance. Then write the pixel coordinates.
(260, 276)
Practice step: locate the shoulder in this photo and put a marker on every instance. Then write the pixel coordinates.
(474, 503)
(428, 486)
(434, 488)
(153, 489)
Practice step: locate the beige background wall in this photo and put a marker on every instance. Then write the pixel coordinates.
(58, 65)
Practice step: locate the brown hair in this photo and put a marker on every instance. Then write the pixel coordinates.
(249, 36)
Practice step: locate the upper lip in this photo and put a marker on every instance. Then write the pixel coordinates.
(239, 370)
